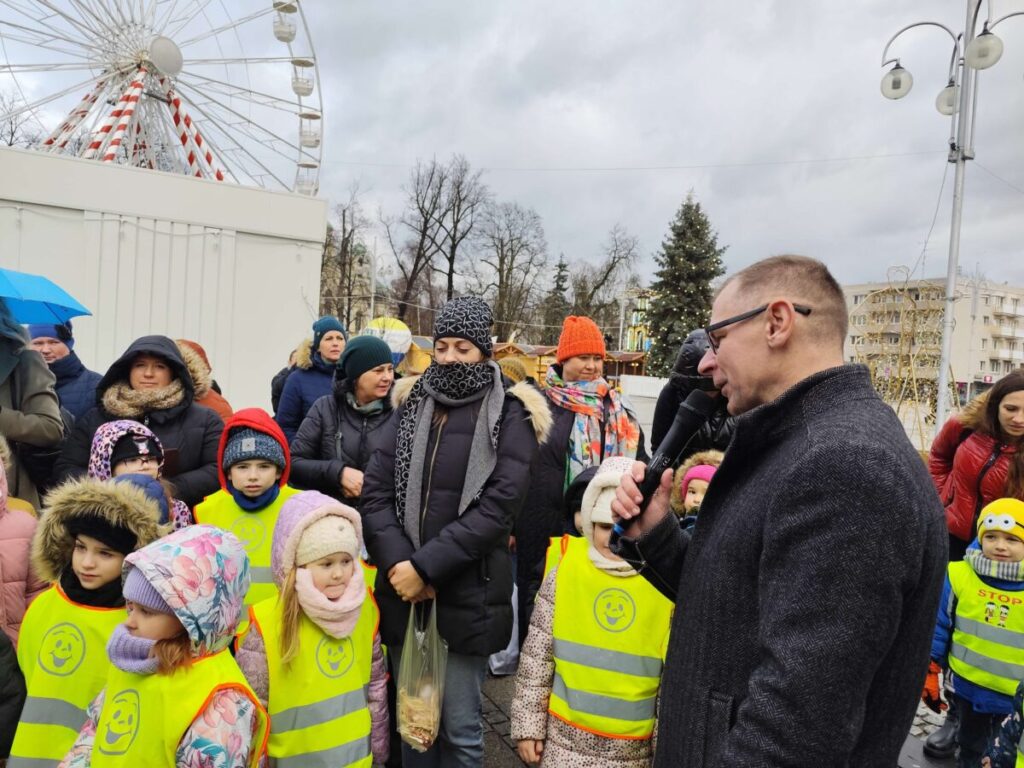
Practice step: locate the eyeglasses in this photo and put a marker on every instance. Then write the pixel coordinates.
(140, 462)
(710, 330)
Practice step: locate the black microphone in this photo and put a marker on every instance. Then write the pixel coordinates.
(693, 413)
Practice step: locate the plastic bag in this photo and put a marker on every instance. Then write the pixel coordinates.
(421, 680)
(506, 662)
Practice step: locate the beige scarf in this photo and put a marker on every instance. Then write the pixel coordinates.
(124, 402)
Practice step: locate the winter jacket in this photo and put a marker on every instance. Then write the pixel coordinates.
(982, 699)
(543, 511)
(810, 584)
(103, 443)
(35, 420)
(202, 573)
(277, 386)
(19, 583)
(12, 694)
(714, 434)
(252, 652)
(969, 468)
(310, 380)
(564, 744)
(1003, 751)
(188, 432)
(465, 558)
(202, 379)
(76, 384)
(319, 456)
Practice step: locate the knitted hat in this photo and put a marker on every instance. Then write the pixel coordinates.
(600, 493)
(513, 368)
(363, 353)
(246, 444)
(323, 326)
(699, 472)
(1006, 515)
(466, 317)
(130, 445)
(326, 536)
(153, 489)
(116, 537)
(580, 336)
(138, 590)
(61, 331)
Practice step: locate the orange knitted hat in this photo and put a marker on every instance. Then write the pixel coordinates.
(580, 336)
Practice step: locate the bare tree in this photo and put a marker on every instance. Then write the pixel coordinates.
(419, 225)
(465, 196)
(343, 288)
(514, 251)
(597, 287)
(18, 128)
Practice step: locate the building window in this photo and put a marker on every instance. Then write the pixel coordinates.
(985, 319)
(981, 366)
(984, 343)
(858, 298)
(986, 300)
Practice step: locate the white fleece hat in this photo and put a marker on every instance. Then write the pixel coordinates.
(600, 493)
(326, 536)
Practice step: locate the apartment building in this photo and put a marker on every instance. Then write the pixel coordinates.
(896, 328)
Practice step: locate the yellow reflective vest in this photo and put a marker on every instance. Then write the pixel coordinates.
(318, 705)
(557, 548)
(254, 529)
(610, 636)
(144, 717)
(62, 652)
(988, 632)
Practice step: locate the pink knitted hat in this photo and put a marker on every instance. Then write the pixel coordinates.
(699, 472)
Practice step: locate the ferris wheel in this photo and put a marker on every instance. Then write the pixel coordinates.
(185, 86)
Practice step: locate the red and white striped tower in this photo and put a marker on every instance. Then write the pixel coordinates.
(59, 138)
(191, 140)
(102, 134)
(125, 118)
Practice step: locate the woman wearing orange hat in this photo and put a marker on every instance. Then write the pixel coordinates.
(591, 422)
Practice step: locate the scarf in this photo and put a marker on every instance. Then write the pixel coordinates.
(372, 407)
(126, 403)
(335, 617)
(452, 385)
(107, 596)
(249, 504)
(67, 368)
(586, 399)
(609, 566)
(983, 566)
(131, 654)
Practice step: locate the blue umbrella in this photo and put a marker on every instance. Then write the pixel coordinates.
(36, 299)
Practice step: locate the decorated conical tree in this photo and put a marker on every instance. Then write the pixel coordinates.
(689, 261)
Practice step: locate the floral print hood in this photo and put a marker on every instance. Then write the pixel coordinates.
(103, 444)
(202, 573)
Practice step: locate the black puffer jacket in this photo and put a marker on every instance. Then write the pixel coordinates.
(319, 456)
(464, 557)
(12, 694)
(188, 432)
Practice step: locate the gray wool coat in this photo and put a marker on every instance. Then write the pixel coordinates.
(806, 597)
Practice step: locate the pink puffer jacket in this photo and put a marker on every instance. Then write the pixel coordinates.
(18, 583)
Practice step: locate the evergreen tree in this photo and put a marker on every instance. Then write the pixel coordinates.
(555, 306)
(689, 261)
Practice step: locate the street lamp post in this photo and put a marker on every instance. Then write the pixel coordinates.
(958, 100)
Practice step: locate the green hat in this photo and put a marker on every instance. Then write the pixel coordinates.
(363, 353)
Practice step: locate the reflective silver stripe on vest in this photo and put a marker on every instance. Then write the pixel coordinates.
(344, 754)
(261, 574)
(43, 711)
(603, 706)
(991, 633)
(30, 762)
(986, 663)
(308, 715)
(612, 661)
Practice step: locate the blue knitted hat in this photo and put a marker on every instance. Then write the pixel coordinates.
(60, 331)
(324, 325)
(246, 444)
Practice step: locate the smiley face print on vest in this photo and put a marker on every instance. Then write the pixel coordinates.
(614, 610)
(334, 657)
(250, 531)
(122, 727)
(62, 649)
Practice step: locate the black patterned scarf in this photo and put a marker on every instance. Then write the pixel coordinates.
(452, 385)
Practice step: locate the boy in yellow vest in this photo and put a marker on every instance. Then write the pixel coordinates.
(980, 629)
(253, 465)
(83, 536)
(174, 696)
(590, 670)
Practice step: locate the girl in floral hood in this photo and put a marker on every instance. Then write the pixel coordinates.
(174, 695)
(124, 447)
(316, 647)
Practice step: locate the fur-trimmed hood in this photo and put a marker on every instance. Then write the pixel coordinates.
(304, 354)
(973, 414)
(532, 399)
(121, 504)
(160, 346)
(198, 366)
(710, 457)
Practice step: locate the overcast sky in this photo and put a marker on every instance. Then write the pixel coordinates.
(600, 112)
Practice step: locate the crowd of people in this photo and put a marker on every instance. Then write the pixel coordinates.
(186, 584)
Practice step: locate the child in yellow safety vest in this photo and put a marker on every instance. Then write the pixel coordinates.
(253, 463)
(979, 634)
(174, 695)
(590, 670)
(313, 655)
(85, 531)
